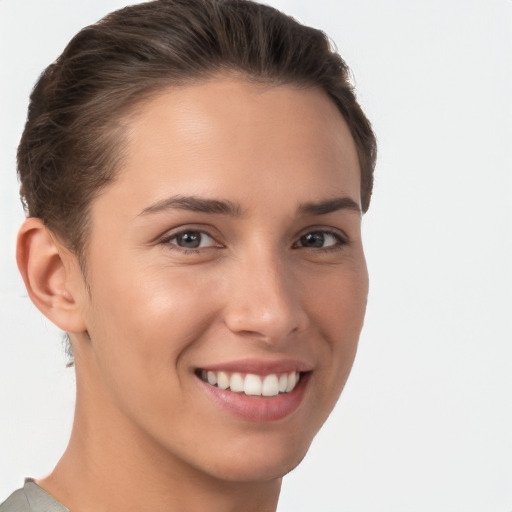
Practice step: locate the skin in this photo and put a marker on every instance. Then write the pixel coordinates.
(146, 436)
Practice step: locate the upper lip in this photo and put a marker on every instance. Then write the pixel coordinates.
(260, 366)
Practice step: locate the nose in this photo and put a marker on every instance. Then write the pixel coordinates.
(265, 302)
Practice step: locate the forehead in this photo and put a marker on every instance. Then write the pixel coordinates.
(229, 137)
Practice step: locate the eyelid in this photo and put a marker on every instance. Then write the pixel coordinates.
(204, 230)
(337, 233)
(340, 235)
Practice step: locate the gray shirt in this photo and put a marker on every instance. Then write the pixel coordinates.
(31, 499)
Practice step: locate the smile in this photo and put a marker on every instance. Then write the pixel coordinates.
(256, 390)
(251, 384)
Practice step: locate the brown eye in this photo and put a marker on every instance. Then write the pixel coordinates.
(320, 240)
(192, 240)
(312, 240)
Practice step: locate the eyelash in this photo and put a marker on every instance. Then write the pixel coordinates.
(174, 246)
(341, 240)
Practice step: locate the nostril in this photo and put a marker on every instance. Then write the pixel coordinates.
(271, 327)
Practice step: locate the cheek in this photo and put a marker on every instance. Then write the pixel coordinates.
(141, 333)
(337, 309)
(338, 301)
(143, 323)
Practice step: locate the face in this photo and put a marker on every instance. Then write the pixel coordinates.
(227, 278)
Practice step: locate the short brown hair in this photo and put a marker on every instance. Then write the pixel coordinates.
(72, 143)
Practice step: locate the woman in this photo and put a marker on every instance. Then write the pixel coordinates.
(194, 175)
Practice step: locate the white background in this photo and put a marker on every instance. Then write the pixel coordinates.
(425, 422)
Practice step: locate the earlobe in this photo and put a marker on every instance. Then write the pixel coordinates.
(46, 267)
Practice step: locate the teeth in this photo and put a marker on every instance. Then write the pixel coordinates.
(212, 378)
(283, 383)
(291, 382)
(270, 386)
(222, 380)
(251, 384)
(236, 383)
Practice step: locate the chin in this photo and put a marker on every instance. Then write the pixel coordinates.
(258, 463)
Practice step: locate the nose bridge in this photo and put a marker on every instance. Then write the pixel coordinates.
(265, 300)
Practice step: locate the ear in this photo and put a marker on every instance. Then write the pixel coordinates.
(51, 274)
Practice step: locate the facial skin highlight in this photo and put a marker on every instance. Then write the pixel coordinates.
(230, 242)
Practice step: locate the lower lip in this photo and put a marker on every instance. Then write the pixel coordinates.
(258, 408)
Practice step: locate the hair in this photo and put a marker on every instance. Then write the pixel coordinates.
(72, 144)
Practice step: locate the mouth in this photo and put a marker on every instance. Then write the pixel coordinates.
(252, 384)
(256, 391)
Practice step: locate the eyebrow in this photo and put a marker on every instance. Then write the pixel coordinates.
(329, 206)
(195, 204)
(225, 207)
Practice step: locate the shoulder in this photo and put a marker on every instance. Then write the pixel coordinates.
(31, 499)
(16, 502)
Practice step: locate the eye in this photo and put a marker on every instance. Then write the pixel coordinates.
(320, 240)
(191, 239)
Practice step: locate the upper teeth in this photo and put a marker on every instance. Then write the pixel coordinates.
(251, 384)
